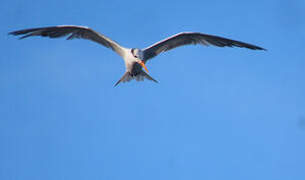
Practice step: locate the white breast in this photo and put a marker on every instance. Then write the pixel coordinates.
(129, 59)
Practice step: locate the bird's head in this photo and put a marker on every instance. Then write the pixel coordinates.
(138, 54)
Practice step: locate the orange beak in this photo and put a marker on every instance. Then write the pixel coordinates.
(143, 65)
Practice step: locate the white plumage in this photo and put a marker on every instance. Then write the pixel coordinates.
(134, 58)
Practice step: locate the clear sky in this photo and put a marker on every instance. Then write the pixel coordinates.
(217, 113)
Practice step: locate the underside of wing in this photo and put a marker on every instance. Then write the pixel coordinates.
(189, 38)
(72, 32)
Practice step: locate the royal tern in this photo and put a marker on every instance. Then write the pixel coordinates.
(135, 59)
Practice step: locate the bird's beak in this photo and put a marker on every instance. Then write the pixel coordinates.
(143, 65)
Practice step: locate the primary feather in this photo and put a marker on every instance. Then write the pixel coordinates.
(188, 38)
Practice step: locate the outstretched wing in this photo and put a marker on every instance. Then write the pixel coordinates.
(73, 32)
(187, 38)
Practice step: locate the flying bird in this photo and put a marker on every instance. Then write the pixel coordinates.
(134, 58)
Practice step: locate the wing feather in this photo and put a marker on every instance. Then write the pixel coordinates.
(189, 38)
(73, 32)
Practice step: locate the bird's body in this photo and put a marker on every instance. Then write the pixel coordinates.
(134, 58)
(133, 66)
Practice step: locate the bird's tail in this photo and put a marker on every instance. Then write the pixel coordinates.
(139, 77)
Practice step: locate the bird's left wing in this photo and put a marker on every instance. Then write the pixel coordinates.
(187, 38)
(73, 32)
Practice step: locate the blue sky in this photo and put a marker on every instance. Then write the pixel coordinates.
(217, 113)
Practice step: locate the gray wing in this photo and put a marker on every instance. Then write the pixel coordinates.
(73, 32)
(187, 38)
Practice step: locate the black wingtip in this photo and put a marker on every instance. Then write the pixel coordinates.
(11, 33)
(25, 36)
(16, 33)
(259, 48)
(263, 49)
(256, 48)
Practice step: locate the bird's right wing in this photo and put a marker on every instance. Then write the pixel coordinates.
(187, 38)
(73, 32)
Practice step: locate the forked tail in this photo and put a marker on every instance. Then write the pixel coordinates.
(139, 77)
